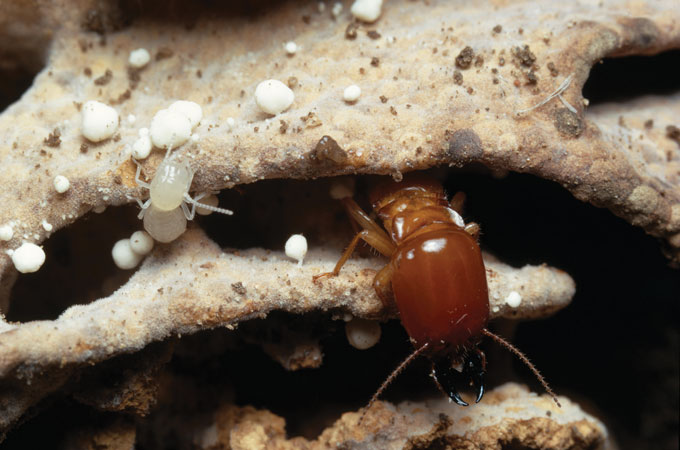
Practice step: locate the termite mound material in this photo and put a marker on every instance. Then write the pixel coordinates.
(418, 109)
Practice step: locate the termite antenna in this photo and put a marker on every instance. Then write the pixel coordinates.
(525, 360)
(391, 378)
(198, 204)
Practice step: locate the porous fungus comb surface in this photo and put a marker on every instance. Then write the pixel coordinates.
(442, 84)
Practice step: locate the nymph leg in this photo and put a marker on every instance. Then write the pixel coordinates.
(138, 173)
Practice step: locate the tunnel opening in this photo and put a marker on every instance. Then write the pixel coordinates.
(631, 77)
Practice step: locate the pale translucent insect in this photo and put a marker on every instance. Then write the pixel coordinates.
(166, 212)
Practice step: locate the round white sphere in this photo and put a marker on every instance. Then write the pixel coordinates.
(100, 121)
(169, 129)
(362, 333)
(273, 97)
(141, 242)
(28, 258)
(123, 255)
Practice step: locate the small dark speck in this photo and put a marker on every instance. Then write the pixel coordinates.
(164, 53)
(393, 110)
(497, 29)
(351, 31)
(54, 138)
(465, 57)
(239, 288)
(373, 34)
(306, 19)
(673, 133)
(375, 62)
(383, 99)
(87, 71)
(104, 79)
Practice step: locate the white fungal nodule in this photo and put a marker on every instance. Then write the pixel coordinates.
(141, 242)
(6, 232)
(273, 97)
(100, 121)
(362, 334)
(351, 93)
(123, 255)
(61, 184)
(296, 248)
(513, 299)
(191, 110)
(142, 147)
(169, 129)
(367, 10)
(291, 47)
(139, 58)
(28, 258)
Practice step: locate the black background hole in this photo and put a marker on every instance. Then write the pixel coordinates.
(629, 77)
(78, 266)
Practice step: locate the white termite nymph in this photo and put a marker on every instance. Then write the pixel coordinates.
(166, 212)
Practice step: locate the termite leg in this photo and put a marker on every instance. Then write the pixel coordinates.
(138, 173)
(457, 201)
(189, 214)
(382, 283)
(378, 241)
(144, 207)
(473, 229)
(364, 221)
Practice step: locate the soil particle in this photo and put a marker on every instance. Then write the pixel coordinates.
(104, 79)
(465, 57)
(524, 55)
(464, 145)
(568, 123)
(239, 288)
(351, 31)
(327, 149)
(164, 53)
(54, 138)
(373, 34)
(673, 133)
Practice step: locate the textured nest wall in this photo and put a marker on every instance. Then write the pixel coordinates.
(444, 84)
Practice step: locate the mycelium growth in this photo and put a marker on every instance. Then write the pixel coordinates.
(198, 333)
